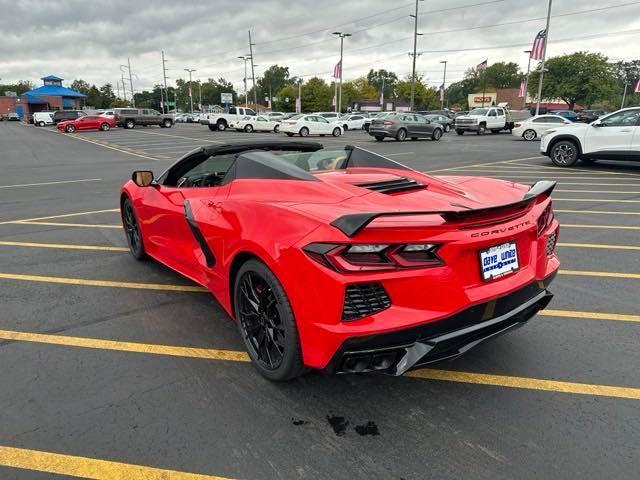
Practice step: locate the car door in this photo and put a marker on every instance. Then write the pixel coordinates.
(634, 151)
(262, 124)
(322, 125)
(85, 123)
(492, 119)
(612, 136)
(501, 118)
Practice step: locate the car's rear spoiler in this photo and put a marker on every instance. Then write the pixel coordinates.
(354, 222)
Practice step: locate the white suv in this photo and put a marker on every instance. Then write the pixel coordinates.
(613, 137)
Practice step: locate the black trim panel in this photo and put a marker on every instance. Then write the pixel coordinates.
(210, 258)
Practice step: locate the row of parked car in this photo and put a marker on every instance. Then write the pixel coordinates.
(72, 120)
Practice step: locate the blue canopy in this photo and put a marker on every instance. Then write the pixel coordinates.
(34, 99)
(55, 91)
(68, 104)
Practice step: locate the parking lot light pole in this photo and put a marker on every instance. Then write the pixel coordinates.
(444, 80)
(190, 70)
(526, 79)
(245, 58)
(544, 55)
(342, 36)
(415, 46)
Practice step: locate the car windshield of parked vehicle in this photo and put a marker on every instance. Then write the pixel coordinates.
(296, 117)
(479, 111)
(621, 119)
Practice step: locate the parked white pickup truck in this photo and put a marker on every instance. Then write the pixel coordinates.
(495, 119)
(221, 121)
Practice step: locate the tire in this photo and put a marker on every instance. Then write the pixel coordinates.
(564, 153)
(495, 131)
(276, 129)
(289, 134)
(266, 323)
(336, 132)
(70, 129)
(304, 132)
(413, 139)
(436, 135)
(460, 132)
(589, 161)
(447, 127)
(41, 123)
(248, 128)
(221, 125)
(213, 128)
(482, 128)
(129, 124)
(132, 230)
(166, 123)
(529, 135)
(105, 127)
(345, 127)
(401, 135)
(379, 138)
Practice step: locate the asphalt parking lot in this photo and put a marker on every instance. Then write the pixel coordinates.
(117, 369)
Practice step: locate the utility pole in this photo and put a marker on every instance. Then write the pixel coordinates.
(342, 36)
(190, 70)
(200, 96)
(118, 88)
(413, 68)
(444, 79)
(124, 90)
(164, 75)
(253, 73)
(133, 97)
(299, 102)
(526, 79)
(624, 94)
(245, 58)
(544, 55)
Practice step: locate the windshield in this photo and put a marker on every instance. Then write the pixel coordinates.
(296, 117)
(337, 159)
(479, 111)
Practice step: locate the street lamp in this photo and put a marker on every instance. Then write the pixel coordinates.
(415, 54)
(341, 35)
(190, 70)
(444, 79)
(245, 58)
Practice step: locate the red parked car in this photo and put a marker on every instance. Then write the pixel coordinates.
(343, 260)
(89, 122)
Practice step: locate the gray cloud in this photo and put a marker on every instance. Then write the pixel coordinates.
(79, 39)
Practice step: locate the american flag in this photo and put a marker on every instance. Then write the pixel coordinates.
(537, 50)
(637, 90)
(523, 84)
(441, 92)
(337, 70)
(482, 65)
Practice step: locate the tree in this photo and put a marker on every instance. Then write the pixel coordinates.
(626, 74)
(426, 98)
(93, 99)
(273, 79)
(286, 99)
(579, 77)
(20, 87)
(500, 75)
(107, 97)
(357, 90)
(80, 86)
(316, 95)
(377, 78)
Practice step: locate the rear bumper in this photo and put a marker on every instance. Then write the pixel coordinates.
(396, 352)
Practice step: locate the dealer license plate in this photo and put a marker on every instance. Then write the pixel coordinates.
(499, 260)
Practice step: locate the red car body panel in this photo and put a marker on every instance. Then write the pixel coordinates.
(90, 122)
(274, 219)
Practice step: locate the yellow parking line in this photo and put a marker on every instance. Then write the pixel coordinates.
(91, 468)
(64, 246)
(50, 183)
(609, 227)
(582, 184)
(559, 178)
(617, 192)
(528, 383)
(236, 356)
(607, 200)
(595, 212)
(595, 245)
(620, 317)
(102, 283)
(180, 136)
(475, 165)
(545, 169)
(64, 215)
(62, 224)
(584, 273)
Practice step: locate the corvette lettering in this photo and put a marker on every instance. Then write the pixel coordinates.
(497, 231)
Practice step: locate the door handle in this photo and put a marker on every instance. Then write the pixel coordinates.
(625, 130)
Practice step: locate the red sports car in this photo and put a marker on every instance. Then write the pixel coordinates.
(344, 260)
(89, 122)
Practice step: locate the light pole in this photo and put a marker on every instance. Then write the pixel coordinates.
(444, 79)
(526, 79)
(245, 58)
(341, 35)
(200, 95)
(413, 68)
(544, 55)
(190, 70)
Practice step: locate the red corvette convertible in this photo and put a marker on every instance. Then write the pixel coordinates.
(343, 260)
(88, 122)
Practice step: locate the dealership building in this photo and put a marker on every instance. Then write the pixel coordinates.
(49, 97)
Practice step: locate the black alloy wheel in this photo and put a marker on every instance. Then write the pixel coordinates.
(436, 135)
(564, 153)
(132, 230)
(266, 322)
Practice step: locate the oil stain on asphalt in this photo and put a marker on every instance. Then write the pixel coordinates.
(340, 424)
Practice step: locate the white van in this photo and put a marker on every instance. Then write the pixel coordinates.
(40, 119)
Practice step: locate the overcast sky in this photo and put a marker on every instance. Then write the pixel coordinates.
(90, 40)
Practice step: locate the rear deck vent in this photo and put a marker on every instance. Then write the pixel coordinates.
(391, 186)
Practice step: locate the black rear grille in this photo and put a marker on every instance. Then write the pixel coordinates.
(362, 299)
(389, 186)
(551, 243)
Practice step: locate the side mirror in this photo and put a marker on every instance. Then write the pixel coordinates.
(597, 123)
(142, 178)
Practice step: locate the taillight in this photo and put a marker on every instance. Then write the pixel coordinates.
(388, 122)
(545, 219)
(374, 256)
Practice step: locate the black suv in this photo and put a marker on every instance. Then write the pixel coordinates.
(64, 115)
(130, 117)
